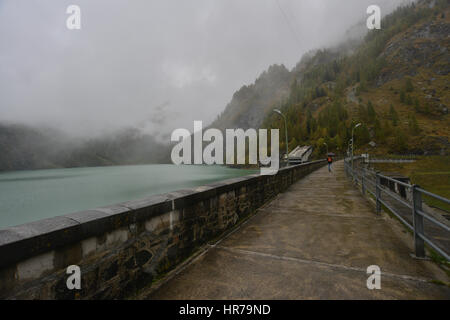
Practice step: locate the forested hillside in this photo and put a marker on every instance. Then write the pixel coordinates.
(395, 83)
(249, 104)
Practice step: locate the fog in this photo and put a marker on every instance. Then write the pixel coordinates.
(152, 64)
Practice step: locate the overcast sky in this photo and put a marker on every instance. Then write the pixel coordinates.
(158, 64)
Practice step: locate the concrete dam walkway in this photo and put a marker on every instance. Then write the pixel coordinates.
(314, 241)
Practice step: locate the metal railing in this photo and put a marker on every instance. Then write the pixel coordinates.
(409, 211)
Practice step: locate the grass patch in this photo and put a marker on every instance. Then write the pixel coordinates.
(439, 282)
(436, 257)
(431, 173)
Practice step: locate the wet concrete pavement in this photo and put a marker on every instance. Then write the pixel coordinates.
(314, 241)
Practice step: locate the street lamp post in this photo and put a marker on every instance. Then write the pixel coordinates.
(286, 133)
(353, 141)
(326, 146)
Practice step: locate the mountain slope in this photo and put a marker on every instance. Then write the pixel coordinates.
(395, 83)
(251, 103)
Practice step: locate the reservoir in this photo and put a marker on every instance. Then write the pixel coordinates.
(27, 196)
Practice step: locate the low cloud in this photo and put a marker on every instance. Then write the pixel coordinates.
(157, 65)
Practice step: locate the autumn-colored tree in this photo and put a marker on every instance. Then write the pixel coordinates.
(394, 116)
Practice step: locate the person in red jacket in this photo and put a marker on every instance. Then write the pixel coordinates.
(330, 161)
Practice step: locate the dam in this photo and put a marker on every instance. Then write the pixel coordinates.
(304, 233)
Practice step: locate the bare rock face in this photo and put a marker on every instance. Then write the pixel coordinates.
(433, 145)
(423, 46)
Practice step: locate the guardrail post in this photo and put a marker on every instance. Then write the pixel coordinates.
(352, 172)
(419, 244)
(378, 192)
(346, 169)
(363, 187)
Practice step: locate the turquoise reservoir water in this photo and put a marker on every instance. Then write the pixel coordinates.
(27, 196)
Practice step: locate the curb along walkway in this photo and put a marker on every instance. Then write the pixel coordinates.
(314, 241)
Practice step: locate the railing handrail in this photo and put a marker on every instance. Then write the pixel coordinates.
(407, 185)
(365, 176)
(428, 193)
